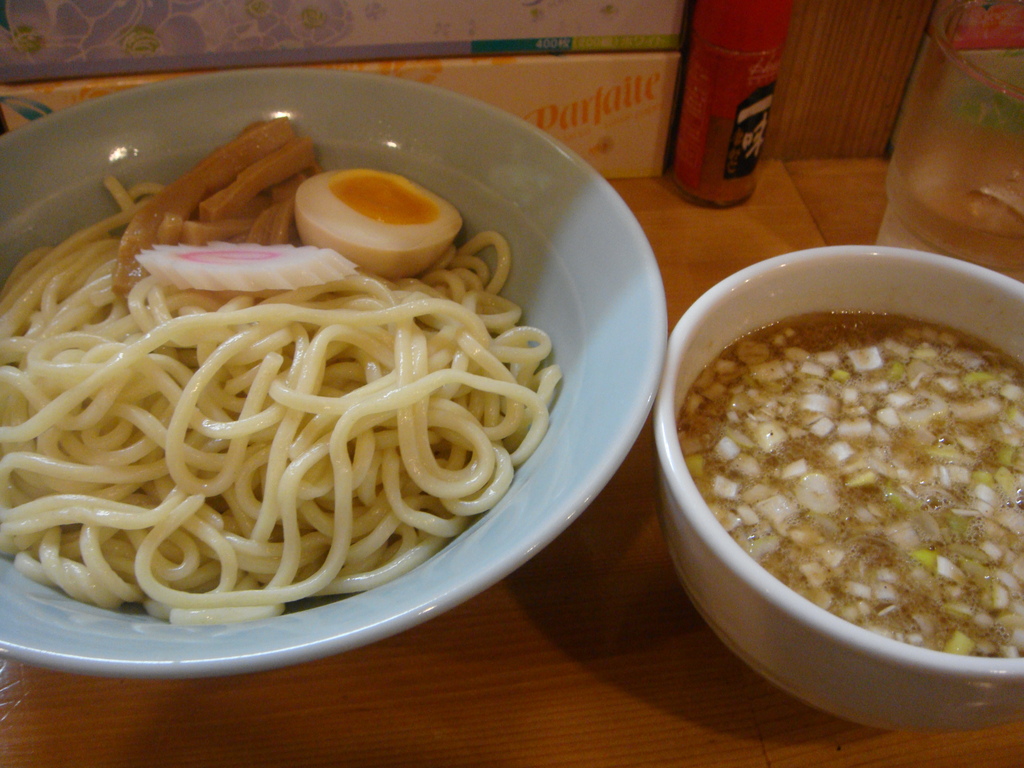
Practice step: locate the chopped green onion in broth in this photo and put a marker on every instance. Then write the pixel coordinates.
(874, 464)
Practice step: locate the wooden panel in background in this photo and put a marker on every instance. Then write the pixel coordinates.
(843, 73)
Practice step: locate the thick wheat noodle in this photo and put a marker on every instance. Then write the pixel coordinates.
(218, 457)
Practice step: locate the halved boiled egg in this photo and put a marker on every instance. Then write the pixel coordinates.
(382, 221)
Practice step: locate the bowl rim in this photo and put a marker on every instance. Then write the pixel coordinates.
(701, 520)
(410, 612)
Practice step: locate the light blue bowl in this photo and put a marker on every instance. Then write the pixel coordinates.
(583, 271)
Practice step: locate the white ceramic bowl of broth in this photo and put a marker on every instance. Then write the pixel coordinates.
(583, 271)
(816, 656)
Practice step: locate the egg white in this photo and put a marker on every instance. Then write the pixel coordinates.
(390, 250)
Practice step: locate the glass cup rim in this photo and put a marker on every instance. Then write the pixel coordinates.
(946, 21)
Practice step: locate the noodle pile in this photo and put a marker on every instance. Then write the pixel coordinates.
(215, 457)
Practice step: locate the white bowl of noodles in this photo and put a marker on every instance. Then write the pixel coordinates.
(582, 271)
(875, 665)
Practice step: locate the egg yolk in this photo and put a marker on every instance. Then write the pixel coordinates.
(384, 197)
(387, 224)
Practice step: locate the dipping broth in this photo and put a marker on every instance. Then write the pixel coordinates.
(875, 465)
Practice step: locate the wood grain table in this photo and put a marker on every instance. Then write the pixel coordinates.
(589, 655)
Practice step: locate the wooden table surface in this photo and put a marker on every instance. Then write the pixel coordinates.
(589, 655)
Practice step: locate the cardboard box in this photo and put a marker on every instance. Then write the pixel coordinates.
(50, 39)
(614, 109)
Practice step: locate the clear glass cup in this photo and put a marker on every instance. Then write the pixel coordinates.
(955, 184)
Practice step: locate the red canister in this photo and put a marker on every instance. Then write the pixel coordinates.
(734, 52)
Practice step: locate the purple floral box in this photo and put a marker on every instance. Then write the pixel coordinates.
(47, 39)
